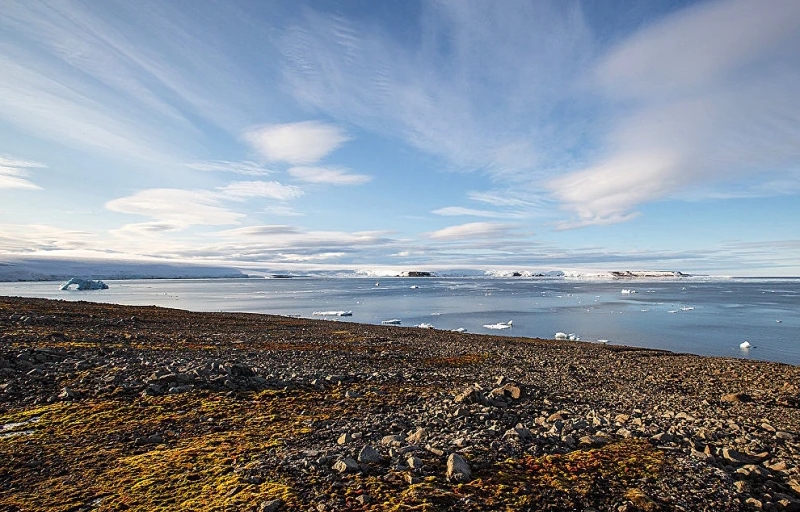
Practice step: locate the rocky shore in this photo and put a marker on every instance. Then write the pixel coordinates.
(141, 408)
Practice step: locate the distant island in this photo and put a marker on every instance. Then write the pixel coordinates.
(51, 269)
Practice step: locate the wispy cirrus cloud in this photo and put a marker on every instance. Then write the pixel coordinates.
(177, 206)
(471, 230)
(305, 142)
(329, 175)
(14, 173)
(709, 102)
(245, 167)
(456, 211)
(242, 190)
(183, 208)
(28, 238)
(471, 91)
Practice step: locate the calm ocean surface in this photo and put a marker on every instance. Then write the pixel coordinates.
(700, 316)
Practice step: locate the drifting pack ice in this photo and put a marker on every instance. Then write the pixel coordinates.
(84, 284)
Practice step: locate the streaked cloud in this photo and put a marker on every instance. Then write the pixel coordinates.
(329, 175)
(707, 98)
(470, 231)
(306, 142)
(242, 190)
(246, 167)
(181, 207)
(29, 238)
(14, 173)
(456, 211)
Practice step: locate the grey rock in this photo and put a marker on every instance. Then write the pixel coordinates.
(457, 469)
(345, 465)
(418, 437)
(369, 455)
(270, 506)
(392, 440)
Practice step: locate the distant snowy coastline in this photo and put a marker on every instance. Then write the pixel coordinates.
(62, 269)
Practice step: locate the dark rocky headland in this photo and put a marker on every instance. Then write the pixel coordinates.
(140, 408)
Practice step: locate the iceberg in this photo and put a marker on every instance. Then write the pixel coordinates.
(332, 313)
(499, 325)
(393, 321)
(84, 284)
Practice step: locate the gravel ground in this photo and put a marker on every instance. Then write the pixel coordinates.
(141, 408)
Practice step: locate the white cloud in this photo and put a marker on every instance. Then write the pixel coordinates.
(246, 167)
(470, 231)
(709, 98)
(330, 175)
(177, 206)
(242, 190)
(13, 174)
(296, 143)
(455, 211)
(25, 238)
(481, 87)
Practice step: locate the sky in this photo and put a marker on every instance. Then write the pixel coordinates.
(407, 135)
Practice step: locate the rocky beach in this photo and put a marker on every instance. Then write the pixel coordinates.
(106, 407)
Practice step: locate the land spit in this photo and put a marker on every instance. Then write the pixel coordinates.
(106, 407)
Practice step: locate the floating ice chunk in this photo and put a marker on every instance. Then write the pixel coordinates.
(84, 284)
(460, 329)
(332, 313)
(687, 308)
(561, 336)
(602, 341)
(627, 292)
(745, 345)
(413, 287)
(423, 325)
(393, 321)
(499, 325)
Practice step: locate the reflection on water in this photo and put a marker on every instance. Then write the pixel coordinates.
(702, 317)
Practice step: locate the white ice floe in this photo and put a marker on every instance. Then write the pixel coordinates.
(460, 329)
(393, 321)
(602, 341)
(627, 292)
(499, 325)
(564, 336)
(424, 326)
(745, 345)
(687, 308)
(413, 287)
(672, 311)
(332, 313)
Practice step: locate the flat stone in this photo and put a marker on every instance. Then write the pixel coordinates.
(592, 441)
(457, 469)
(392, 440)
(418, 437)
(736, 397)
(369, 455)
(414, 462)
(270, 506)
(346, 465)
(344, 438)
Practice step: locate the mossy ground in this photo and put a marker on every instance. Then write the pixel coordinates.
(85, 453)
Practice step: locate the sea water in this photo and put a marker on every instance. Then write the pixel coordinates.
(699, 316)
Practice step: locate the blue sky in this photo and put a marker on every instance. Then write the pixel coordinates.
(404, 135)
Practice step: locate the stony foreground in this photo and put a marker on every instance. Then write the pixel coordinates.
(123, 408)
